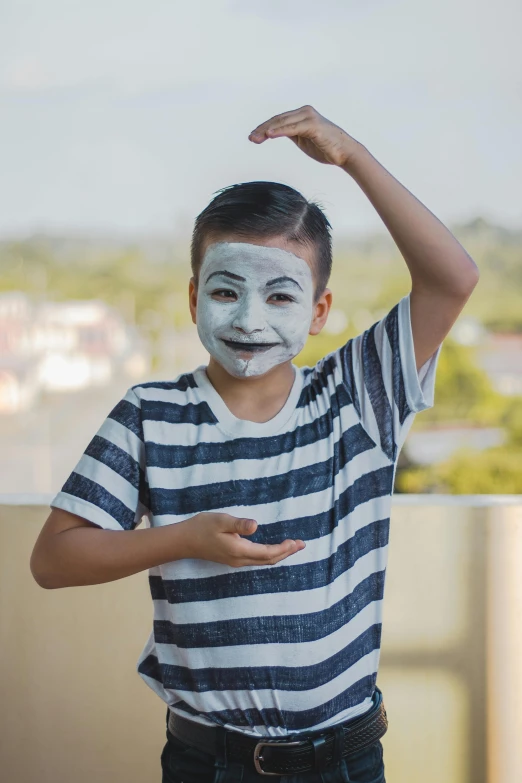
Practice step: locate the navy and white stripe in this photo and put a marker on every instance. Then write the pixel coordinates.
(266, 650)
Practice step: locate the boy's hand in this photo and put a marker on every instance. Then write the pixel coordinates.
(314, 134)
(218, 537)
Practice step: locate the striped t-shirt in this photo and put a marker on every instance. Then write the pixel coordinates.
(274, 649)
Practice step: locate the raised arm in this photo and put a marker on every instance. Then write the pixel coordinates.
(443, 274)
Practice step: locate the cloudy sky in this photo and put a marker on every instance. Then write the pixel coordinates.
(126, 115)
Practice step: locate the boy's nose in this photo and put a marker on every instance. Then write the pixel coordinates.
(248, 319)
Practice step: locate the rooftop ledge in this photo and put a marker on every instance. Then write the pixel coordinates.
(452, 647)
(399, 499)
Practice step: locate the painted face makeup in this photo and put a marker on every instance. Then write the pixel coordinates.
(254, 306)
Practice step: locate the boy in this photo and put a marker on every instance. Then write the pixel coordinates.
(267, 667)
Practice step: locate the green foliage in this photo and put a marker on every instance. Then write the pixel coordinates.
(469, 472)
(115, 276)
(511, 420)
(148, 284)
(463, 391)
(321, 345)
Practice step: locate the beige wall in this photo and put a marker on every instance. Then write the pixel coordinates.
(76, 711)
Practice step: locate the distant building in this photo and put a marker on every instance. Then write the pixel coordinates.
(63, 346)
(180, 350)
(468, 330)
(500, 355)
(438, 443)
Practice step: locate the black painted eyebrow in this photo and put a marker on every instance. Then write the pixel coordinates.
(283, 279)
(226, 274)
(274, 281)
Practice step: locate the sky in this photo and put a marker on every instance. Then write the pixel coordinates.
(127, 116)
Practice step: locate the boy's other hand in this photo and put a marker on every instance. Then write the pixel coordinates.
(316, 136)
(218, 537)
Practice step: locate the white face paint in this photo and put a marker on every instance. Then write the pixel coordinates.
(254, 306)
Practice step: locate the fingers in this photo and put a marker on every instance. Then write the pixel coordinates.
(245, 552)
(244, 526)
(290, 130)
(268, 554)
(288, 120)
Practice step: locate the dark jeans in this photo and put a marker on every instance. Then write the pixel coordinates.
(182, 763)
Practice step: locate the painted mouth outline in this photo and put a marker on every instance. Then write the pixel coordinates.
(248, 347)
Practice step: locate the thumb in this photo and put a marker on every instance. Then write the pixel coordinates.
(247, 526)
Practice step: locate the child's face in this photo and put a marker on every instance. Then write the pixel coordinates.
(254, 306)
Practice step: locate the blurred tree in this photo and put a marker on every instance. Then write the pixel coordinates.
(463, 391)
(149, 283)
(469, 472)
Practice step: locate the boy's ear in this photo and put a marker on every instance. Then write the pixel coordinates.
(321, 310)
(193, 298)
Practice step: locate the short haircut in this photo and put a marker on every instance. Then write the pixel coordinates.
(265, 210)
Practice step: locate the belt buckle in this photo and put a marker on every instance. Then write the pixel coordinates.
(257, 755)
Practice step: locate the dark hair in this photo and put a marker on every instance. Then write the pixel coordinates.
(265, 210)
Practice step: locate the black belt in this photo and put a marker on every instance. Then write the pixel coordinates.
(314, 751)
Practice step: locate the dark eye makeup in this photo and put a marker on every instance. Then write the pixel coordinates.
(225, 293)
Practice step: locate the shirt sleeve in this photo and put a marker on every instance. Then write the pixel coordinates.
(380, 374)
(108, 486)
